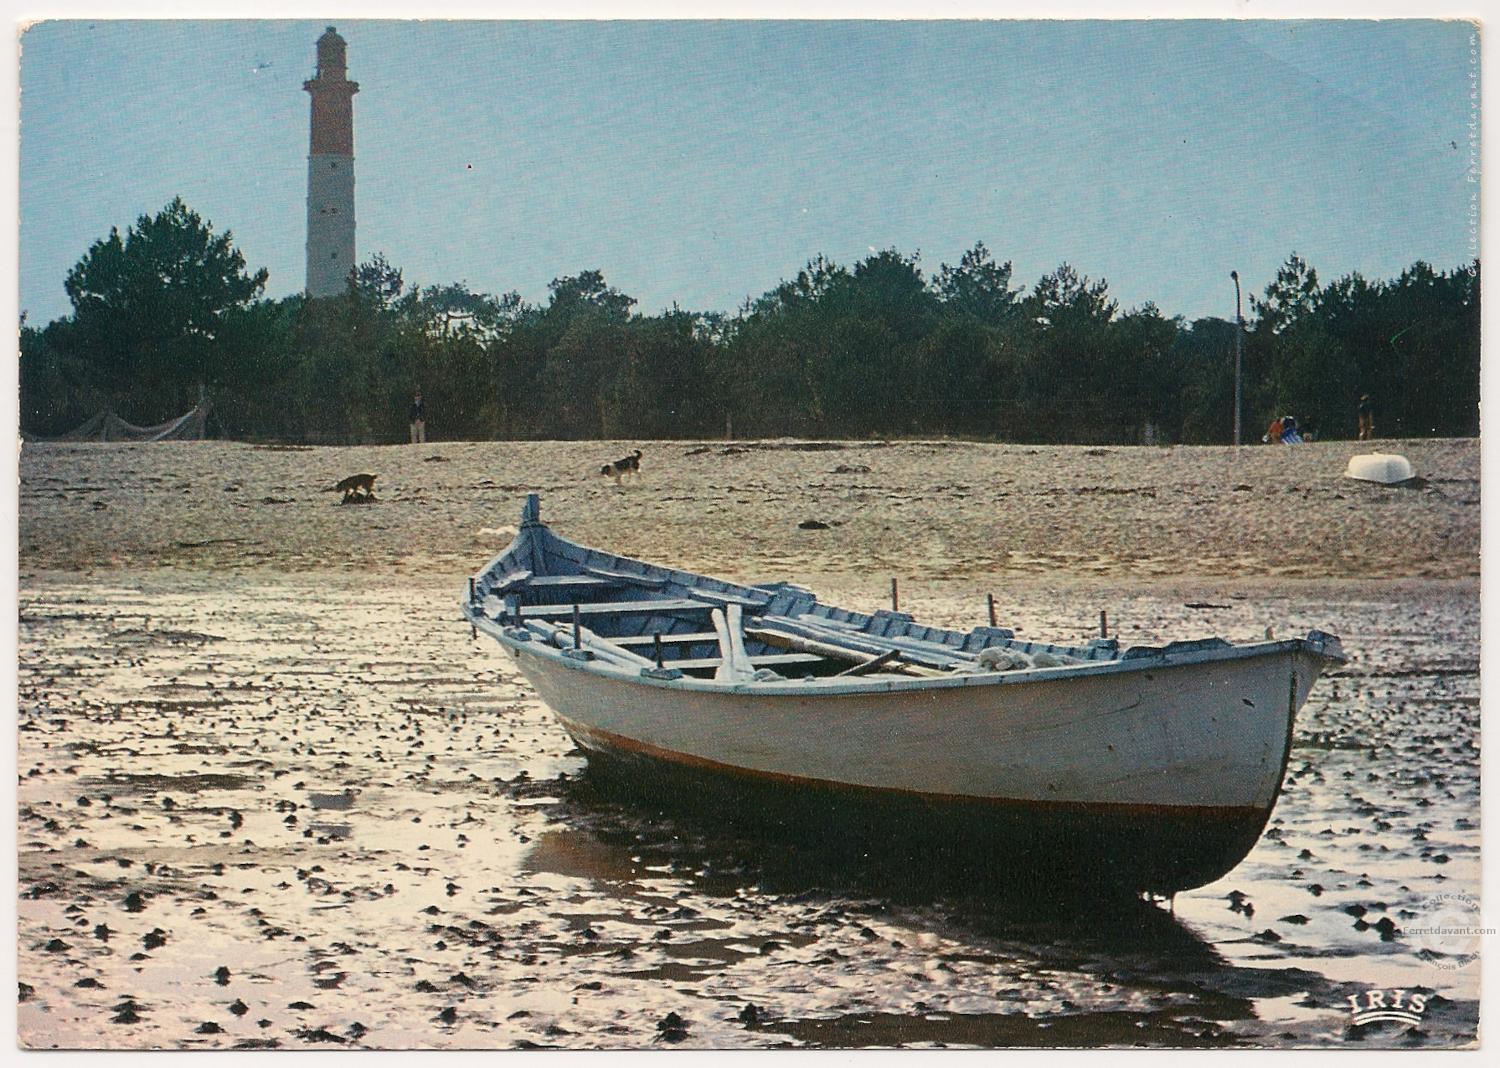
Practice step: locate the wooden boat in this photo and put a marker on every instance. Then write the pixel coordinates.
(1145, 769)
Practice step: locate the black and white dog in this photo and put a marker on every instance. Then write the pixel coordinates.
(629, 465)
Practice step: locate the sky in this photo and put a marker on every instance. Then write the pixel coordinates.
(699, 163)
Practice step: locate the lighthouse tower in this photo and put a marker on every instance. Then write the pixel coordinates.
(330, 171)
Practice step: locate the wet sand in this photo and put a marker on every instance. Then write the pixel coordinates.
(257, 737)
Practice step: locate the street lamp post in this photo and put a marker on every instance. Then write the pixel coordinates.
(1239, 330)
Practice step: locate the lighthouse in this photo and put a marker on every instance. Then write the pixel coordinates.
(330, 171)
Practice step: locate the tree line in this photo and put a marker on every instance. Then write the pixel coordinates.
(878, 348)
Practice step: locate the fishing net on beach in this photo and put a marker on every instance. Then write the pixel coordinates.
(107, 426)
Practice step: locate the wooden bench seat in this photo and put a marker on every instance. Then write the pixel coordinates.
(613, 608)
(768, 660)
(574, 581)
(648, 581)
(722, 597)
(647, 641)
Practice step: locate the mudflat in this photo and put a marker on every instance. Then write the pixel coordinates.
(273, 794)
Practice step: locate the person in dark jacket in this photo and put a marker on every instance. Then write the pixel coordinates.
(418, 419)
(1366, 418)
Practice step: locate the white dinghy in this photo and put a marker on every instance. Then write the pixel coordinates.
(1387, 468)
(1150, 768)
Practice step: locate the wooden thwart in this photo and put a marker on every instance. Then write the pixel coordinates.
(726, 598)
(510, 580)
(613, 608)
(693, 638)
(574, 581)
(648, 581)
(763, 660)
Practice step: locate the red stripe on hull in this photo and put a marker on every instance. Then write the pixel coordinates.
(606, 741)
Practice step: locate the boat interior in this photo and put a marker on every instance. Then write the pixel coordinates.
(671, 623)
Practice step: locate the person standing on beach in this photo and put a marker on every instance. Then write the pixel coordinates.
(418, 419)
(1366, 418)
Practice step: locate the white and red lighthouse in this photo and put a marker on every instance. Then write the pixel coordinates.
(330, 171)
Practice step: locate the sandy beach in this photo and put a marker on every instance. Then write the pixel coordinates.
(273, 795)
(925, 510)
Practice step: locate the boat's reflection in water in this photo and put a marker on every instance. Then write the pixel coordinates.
(1125, 970)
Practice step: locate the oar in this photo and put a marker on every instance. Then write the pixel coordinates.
(735, 619)
(561, 637)
(731, 667)
(779, 639)
(871, 665)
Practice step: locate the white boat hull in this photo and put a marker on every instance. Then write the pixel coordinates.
(1159, 781)
(1204, 736)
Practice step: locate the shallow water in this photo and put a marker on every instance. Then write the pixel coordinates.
(322, 784)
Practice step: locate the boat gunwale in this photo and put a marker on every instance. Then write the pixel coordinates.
(1326, 648)
(859, 684)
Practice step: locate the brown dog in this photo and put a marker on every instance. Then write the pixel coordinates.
(355, 488)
